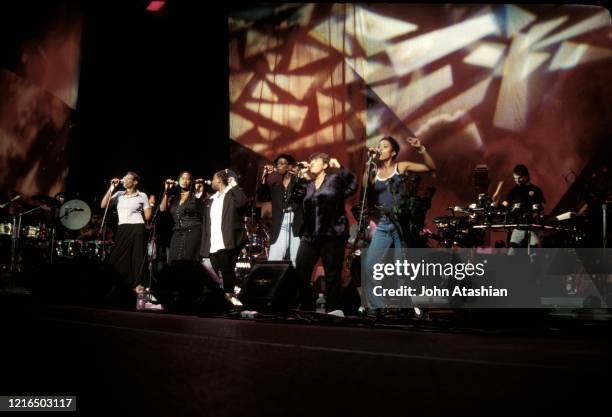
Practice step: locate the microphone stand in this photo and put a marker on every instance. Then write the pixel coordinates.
(287, 200)
(151, 249)
(16, 234)
(360, 223)
(103, 224)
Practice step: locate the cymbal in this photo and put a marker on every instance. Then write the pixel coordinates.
(15, 207)
(46, 200)
(74, 214)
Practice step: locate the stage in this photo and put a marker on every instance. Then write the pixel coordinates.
(164, 364)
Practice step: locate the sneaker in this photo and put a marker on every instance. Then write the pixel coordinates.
(153, 307)
(236, 302)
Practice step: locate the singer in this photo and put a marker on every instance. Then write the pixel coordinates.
(187, 211)
(133, 209)
(386, 171)
(286, 214)
(223, 232)
(324, 231)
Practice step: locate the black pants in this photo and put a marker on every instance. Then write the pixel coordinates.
(224, 263)
(331, 252)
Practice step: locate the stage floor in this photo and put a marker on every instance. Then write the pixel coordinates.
(164, 364)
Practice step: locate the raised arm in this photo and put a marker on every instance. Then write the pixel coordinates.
(427, 165)
(263, 189)
(163, 205)
(349, 180)
(109, 193)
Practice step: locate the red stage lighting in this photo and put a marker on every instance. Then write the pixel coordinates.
(155, 6)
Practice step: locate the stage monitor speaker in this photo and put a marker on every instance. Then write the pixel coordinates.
(187, 288)
(270, 287)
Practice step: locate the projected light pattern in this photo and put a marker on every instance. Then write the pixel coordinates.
(38, 95)
(493, 84)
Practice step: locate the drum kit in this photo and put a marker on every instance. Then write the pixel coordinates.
(31, 229)
(466, 226)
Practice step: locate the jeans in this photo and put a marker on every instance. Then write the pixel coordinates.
(385, 238)
(286, 240)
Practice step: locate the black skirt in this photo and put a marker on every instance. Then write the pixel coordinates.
(185, 244)
(128, 255)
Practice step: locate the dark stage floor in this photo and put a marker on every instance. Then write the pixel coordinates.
(163, 364)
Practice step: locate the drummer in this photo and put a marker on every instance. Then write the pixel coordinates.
(523, 202)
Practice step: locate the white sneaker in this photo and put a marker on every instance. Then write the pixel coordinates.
(153, 307)
(235, 301)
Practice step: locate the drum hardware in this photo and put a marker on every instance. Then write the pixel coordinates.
(94, 250)
(15, 235)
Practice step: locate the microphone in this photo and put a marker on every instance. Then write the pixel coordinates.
(172, 182)
(374, 152)
(302, 165)
(207, 182)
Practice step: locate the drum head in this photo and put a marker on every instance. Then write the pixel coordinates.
(74, 214)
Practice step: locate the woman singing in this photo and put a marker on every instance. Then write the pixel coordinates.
(133, 209)
(388, 171)
(187, 211)
(324, 231)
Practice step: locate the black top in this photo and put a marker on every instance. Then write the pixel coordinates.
(187, 214)
(526, 196)
(281, 198)
(324, 214)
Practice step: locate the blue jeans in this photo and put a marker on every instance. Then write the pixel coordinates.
(286, 240)
(386, 237)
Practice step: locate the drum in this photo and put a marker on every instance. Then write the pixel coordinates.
(6, 229)
(68, 248)
(256, 245)
(96, 250)
(30, 232)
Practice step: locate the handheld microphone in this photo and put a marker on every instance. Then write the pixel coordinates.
(200, 181)
(172, 182)
(374, 152)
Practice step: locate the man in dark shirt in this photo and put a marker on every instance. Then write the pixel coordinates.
(524, 201)
(286, 214)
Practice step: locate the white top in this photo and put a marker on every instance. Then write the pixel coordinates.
(131, 208)
(216, 214)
